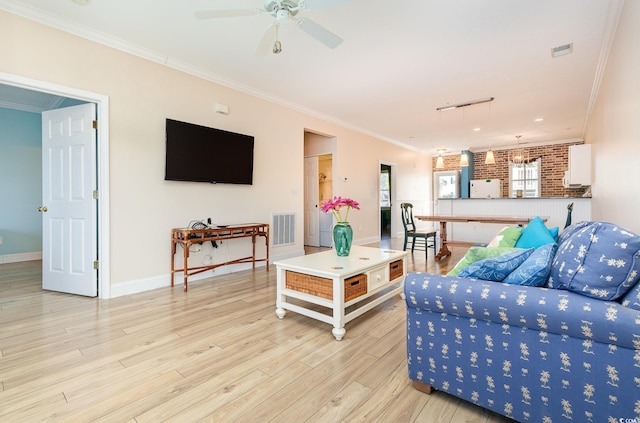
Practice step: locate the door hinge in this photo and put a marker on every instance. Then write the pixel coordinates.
(95, 124)
(96, 265)
(95, 194)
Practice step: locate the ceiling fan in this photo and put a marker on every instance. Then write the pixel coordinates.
(283, 11)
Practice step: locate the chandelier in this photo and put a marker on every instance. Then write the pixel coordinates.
(519, 156)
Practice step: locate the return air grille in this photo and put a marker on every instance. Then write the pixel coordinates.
(284, 229)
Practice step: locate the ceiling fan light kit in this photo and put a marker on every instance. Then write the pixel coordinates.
(283, 11)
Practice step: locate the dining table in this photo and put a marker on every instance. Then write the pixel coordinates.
(444, 251)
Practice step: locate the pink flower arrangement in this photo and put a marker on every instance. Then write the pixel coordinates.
(336, 204)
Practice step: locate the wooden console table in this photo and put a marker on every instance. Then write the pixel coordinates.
(187, 237)
(444, 219)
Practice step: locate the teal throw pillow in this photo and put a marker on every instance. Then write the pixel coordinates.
(535, 235)
(475, 254)
(535, 269)
(554, 233)
(496, 268)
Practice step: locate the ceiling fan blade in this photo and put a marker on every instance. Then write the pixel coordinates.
(231, 13)
(320, 33)
(317, 4)
(266, 44)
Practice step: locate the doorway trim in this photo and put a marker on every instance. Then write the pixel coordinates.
(102, 105)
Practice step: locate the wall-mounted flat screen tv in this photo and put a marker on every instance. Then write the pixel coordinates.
(202, 154)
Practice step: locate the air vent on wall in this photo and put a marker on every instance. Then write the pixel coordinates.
(562, 50)
(283, 229)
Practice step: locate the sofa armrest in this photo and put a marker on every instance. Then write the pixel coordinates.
(546, 310)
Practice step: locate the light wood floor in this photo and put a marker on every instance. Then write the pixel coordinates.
(215, 354)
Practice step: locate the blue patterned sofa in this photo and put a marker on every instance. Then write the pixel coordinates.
(568, 351)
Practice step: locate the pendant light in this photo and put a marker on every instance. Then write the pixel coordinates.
(440, 160)
(489, 158)
(519, 155)
(464, 160)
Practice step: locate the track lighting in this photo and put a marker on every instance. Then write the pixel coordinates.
(465, 104)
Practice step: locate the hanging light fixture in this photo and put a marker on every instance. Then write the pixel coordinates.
(464, 160)
(519, 155)
(277, 45)
(489, 158)
(440, 160)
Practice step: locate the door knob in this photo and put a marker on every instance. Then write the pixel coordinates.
(43, 209)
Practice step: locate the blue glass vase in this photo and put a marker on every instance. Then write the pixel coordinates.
(342, 237)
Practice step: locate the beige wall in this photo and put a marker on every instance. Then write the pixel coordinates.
(614, 128)
(142, 94)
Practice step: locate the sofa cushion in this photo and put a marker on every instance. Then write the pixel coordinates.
(597, 259)
(535, 235)
(475, 254)
(535, 269)
(507, 237)
(569, 230)
(496, 268)
(632, 298)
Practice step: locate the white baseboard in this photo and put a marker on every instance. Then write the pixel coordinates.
(16, 258)
(164, 281)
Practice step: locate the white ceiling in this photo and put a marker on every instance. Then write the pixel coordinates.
(399, 61)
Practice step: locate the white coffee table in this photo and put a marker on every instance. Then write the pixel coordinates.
(325, 279)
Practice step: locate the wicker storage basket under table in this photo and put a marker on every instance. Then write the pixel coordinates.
(396, 269)
(354, 286)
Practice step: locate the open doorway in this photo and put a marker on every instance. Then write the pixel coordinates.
(385, 195)
(319, 169)
(32, 88)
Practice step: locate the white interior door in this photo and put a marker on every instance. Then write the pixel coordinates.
(311, 207)
(69, 210)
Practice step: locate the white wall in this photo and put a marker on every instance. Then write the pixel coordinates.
(142, 94)
(614, 128)
(20, 185)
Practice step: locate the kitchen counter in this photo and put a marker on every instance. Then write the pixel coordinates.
(555, 208)
(523, 198)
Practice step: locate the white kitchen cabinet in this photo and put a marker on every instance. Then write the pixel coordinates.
(578, 173)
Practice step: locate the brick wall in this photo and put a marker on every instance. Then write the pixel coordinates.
(554, 161)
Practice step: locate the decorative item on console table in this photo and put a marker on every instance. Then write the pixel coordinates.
(342, 238)
(342, 231)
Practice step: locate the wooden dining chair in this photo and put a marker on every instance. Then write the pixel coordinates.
(420, 240)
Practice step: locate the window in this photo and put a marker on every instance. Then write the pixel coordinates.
(526, 178)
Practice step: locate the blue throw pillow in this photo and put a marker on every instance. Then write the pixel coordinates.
(535, 269)
(496, 268)
(535, 235)
(599, 260)
(554, 233)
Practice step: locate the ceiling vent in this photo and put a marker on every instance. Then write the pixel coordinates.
(562, 50)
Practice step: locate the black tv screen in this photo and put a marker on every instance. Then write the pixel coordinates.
(202, 154)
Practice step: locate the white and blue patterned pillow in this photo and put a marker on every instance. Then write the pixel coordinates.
(597, 259)
(535, 269)
(496, 268)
